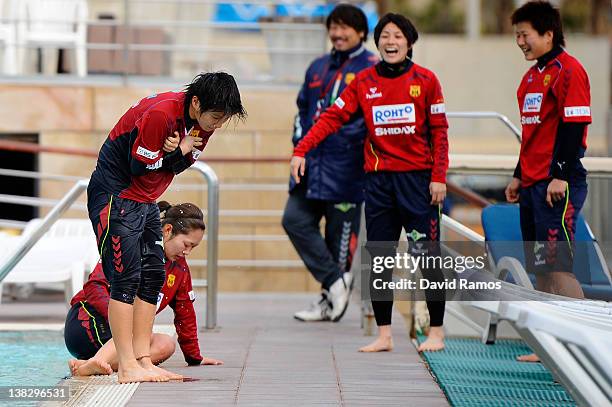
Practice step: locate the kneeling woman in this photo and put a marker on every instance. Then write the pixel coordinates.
(87, 332)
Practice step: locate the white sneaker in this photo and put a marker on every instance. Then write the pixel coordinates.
(339, 296)
(318, 311)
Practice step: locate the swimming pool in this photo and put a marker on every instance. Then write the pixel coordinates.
(33, 358)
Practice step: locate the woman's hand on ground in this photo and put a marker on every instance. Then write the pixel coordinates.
(211, 361)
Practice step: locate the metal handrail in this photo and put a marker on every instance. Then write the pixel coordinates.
(461, 229)
(488, 115)
(67, 201)
(53, 215)
(212, 248)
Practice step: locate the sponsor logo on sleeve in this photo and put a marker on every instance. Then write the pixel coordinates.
(438, 108)
(532, 102)
(192, 295)
(151, 155)
(577, 111)
(340, 103)
(196, 154)
(393, 114)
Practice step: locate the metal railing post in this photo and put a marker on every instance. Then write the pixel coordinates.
(488, 115)
(212, 231)
(51, 217)
(126, 42)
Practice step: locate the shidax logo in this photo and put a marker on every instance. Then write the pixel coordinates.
(393, 114)
(530, 120)
(373, 94)
(532, 102)
(391, 131)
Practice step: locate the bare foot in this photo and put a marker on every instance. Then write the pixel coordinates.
(532, 357)
(146, 364)
(166, 373)
(93, 367)
(74, 364)
(434, 341)
(135, 373)
(381, 344)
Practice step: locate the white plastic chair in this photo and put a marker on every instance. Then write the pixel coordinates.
(8, 36)
(64, 254)
(53, 24)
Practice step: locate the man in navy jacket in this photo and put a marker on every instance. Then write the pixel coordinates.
(333, 184)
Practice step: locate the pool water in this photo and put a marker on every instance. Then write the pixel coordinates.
(33, 358)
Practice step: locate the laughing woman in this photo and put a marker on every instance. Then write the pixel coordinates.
(406, 159)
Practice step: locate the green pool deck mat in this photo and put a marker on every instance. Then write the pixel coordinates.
(473, 374)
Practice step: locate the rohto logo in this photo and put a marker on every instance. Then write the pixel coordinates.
(533, 102)
(393, 114)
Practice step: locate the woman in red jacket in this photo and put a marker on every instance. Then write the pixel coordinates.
(87, 332)
(406, 159)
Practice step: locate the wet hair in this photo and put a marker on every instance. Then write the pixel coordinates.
(543, 17)
(403, 23)
(184, 217)
(216, 91)
(349, 15)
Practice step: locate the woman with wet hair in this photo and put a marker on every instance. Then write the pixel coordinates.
(87, 332)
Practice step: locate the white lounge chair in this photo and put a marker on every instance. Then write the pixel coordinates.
(54, 24)
(64, 254)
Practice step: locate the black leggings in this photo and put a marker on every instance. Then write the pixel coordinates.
(396, 200)
(85, 331)
(129, 240)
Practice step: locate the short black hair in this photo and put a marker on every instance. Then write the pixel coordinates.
(350, 15)
(218, 92)
(403, 23)
(543, 17)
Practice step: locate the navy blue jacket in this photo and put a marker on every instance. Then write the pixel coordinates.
(334, 170)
